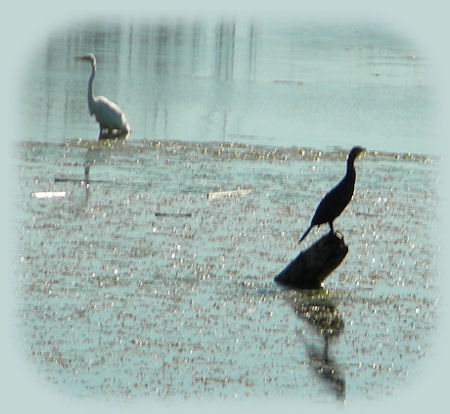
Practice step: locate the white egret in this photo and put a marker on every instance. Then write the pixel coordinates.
(109, 116)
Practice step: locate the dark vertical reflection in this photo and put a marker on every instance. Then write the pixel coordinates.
(224, 47)
(251, 52)
(130, 44)
(162, 50)
(195, 46)
(214, 80)
(316, 307)
(167, 77)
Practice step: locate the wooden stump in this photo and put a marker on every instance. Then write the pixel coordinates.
(312, 266)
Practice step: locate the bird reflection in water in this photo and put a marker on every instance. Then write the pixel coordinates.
(316, 307)
(100, 152)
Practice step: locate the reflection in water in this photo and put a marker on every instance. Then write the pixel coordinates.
(99, 272)
(100, 152)
(226, 80)
(224, 59)
(317, 309)
(173, 84)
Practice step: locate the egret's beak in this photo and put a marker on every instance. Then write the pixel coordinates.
(82, 57)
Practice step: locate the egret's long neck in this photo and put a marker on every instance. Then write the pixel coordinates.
(91, 97)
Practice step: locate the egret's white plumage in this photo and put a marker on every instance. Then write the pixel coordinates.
(111, 119)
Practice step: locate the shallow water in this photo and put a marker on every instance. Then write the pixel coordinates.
(147, 280)
(287, 83)
(138, 284)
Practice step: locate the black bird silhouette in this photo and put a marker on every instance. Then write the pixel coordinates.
(338, 197)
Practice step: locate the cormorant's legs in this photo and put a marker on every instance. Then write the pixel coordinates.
(331, 226)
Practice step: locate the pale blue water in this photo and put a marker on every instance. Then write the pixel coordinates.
(115, 300)
(281, 84)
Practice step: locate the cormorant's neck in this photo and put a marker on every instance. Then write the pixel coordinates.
(351, 167)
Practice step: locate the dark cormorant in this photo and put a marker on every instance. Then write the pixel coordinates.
(338, 197)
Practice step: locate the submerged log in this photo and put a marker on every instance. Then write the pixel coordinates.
(221, 194)
(312, 266)
(161, 214)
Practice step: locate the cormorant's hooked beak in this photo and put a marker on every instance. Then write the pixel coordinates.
(359, 151)
(355, 153)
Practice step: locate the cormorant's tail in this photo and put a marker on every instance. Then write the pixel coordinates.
(305, 233)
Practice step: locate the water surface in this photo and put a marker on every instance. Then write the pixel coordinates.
(281, 84)
(140, 285)
(137, 284)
